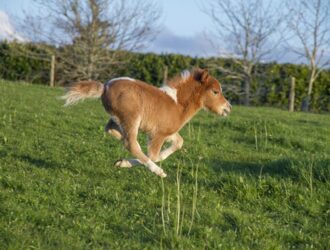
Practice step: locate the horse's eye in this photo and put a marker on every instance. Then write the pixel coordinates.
(215, 92)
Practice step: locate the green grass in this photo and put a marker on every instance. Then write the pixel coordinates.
(258, 179)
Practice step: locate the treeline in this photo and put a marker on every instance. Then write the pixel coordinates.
(270, 86)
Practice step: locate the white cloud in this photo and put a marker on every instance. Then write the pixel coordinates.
(169, 42)
(200, 45)
(7, 31)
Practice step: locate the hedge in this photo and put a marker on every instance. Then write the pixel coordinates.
(29, 62)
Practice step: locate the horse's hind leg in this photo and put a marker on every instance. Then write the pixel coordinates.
(114, 129)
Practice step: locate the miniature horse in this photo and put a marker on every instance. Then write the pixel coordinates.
(159, 112)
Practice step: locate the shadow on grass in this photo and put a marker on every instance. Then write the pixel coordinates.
(37, 162)
(281, 168)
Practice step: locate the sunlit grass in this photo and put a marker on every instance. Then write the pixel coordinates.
(258, 179)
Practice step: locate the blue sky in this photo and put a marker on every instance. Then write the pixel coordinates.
(181, 16)
(15, 7)
(183, 26)
(184, 17)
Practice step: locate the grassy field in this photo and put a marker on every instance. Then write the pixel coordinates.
(258, 179)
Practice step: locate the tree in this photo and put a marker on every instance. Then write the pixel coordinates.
(92, 36)
(309, 22)
(247, 28)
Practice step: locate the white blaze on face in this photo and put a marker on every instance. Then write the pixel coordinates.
(171, 92)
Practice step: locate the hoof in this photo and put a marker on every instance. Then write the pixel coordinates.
(155, 169)
(117, 163)
(122, 164)
(162, 175)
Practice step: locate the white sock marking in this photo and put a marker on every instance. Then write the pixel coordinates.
(155, 169)
(166, 153)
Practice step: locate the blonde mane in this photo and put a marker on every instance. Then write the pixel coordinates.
(181, 78)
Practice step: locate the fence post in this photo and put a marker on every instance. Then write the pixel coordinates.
(52, 71)
(292, 94)
(165, 74)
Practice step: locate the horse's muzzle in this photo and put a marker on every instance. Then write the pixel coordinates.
(226, 109)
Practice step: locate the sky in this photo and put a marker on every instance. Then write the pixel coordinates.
(183, 26)
(184, 29)
(178, 15)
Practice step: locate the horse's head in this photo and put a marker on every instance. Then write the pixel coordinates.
(212, 96)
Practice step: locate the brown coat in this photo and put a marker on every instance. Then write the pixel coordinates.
(135, 105)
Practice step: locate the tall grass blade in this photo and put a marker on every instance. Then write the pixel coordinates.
(178, 204)
(163, 206)
(194, 201)
(255, 137)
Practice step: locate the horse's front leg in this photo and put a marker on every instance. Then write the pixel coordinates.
(154, 145)
(133, 146)
(176, 144)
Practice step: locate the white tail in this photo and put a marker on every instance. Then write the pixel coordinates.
(82, 90)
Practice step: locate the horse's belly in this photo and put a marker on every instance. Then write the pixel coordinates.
(159, 123)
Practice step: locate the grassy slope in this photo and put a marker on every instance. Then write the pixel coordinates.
(259, 179)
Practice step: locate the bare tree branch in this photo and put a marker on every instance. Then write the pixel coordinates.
(248, 29)
(92, 35)
(309, 24)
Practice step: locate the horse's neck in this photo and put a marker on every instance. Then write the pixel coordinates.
(189, 112)
(189, 102)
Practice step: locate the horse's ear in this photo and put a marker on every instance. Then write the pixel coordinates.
(203, 75)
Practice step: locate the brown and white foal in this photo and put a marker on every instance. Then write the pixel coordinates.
(159, 112)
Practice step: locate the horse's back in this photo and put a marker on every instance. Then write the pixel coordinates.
(136, 99)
